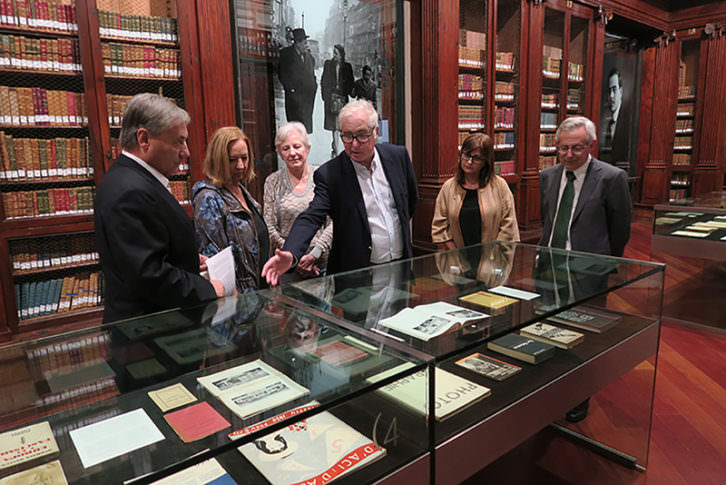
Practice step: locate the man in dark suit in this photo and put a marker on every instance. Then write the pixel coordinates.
(585, 206)
(615, 126)
(297, 75)
(144, 237)
(369, 191)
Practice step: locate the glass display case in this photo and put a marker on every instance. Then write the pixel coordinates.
(335, 375)
(693, 228)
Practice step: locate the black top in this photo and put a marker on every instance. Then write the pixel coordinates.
(470, 218)
(263, 239)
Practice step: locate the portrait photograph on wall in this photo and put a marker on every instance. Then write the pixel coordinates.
(617, 139)
(303, 61)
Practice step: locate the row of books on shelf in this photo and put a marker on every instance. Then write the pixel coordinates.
(505, 61)
(116, 105)
(50, 202)
(503, 140)
(471, 117)
(546, 142)
(680, 179)
(686, 92)
(575, 72)
(40, 14)
(68, 354)
(685, 109)
(547, 120)
(32, 53)
(551, 66)
(684, 125)
(683, 142)
(504, 117)
(472, 38)
(180, 190)
(681, 159)
(677, 194)
(137, 27)
(547, 161)
(574, 98)
(140, 60)
(505, 89)
(30, 254)
(60, 295)
(24, 159)
(471, 57)
(471, 82)
(504, 167)
(551, 101)
(22, 106)
(254, 42)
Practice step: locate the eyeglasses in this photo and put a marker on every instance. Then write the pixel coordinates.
(576, 149)
(467, 156)
(361, 137)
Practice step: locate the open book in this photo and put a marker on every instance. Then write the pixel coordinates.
(431, 320)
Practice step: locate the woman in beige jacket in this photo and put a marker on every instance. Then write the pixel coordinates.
(475, 205)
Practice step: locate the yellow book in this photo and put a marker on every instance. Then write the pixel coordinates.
(488, 300)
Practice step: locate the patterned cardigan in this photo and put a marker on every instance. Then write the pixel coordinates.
(221, 220)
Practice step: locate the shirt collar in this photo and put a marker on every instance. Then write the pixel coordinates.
(581, 171)
(375, 163)
(157, 175)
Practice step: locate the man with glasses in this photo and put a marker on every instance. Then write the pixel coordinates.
(595, 194)
(585, 206)
(370, 193)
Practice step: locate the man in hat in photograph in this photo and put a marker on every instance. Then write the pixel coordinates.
(297, 75)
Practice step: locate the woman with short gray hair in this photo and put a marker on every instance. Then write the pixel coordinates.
(288, 192)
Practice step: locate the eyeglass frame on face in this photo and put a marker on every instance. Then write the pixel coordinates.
(575, 149)
(358, 137)
(467, 156)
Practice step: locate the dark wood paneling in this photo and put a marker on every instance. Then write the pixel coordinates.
(425, 212)
(436, 156)
(698, 16)
(705, 180)
(215, 61)
(655, 183)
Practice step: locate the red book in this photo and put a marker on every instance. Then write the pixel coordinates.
(43, 104)
(52, 157)
(37, 119)
(196, 422)
(42, 12)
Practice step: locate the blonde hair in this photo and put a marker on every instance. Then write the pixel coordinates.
(216, 162)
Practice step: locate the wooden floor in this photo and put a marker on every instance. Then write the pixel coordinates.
(688, 438)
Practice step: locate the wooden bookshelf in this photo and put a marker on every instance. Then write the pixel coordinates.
(61, 54)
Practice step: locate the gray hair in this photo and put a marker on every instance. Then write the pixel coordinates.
(152, 112)
(285, 130)
(360, 105)
(574, 122)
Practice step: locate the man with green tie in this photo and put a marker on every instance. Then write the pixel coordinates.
(584, 203)
(585, 206)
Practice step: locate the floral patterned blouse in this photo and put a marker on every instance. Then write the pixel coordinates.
(221, 220)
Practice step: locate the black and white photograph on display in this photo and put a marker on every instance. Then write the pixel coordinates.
(320, 56)
(617, 138)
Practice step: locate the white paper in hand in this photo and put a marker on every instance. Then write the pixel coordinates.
(221, 267)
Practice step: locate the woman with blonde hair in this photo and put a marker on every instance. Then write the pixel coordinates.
(224, 211)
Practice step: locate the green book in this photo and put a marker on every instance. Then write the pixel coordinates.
(60, 154)
(43, 157)
(43, 205)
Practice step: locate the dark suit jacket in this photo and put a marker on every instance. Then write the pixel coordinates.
(338, 195)
(147, 245)
(601, 221)
(619, 149)
(297, 76)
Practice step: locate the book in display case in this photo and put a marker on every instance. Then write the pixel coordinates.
(68, 69)
(294, 383)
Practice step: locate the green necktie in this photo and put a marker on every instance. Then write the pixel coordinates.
(562, 223)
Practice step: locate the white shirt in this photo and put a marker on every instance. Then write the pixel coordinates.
(579, 180)
(157, 175)
(383, 221)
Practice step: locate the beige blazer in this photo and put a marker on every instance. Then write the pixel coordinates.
(496, 204)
